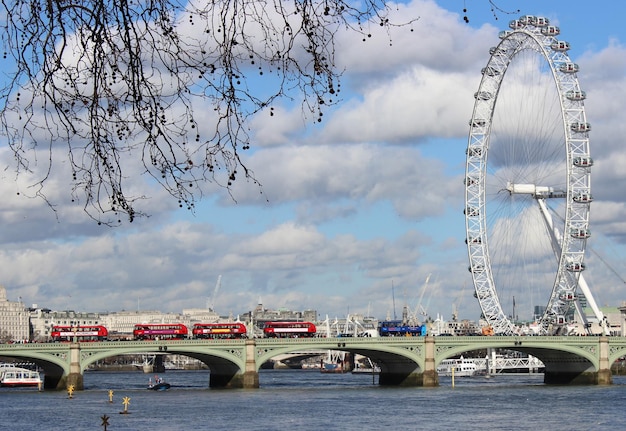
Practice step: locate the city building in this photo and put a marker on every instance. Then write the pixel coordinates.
(42, 320)
(14, 319)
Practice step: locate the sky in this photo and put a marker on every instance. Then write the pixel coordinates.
(361, 213)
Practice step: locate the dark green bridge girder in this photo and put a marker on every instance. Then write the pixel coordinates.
(410, 361)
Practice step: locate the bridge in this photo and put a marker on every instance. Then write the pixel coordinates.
(404, 361)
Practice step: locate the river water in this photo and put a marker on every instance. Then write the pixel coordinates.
(309, 400)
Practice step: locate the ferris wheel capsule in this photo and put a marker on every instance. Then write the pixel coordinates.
(583, 161)
(526, 20)
(477, 122)
(482, 95)
(471, 211)
(569, 67)
(516, 24)
(575, 267)
(490, 71)
(474, 151)
(560, 45)
(473, 240)
(580, 127)
(580, 233)
(476, 268)
(496, 51)
(576, 95)
(583, 198)
(541, 21)
(470, 181)
(550, 30)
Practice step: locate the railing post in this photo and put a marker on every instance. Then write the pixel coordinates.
(251, 375)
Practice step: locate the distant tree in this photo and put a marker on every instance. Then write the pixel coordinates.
(5, 337)
(167, 83)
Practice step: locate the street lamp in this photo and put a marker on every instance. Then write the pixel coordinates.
(74, 325)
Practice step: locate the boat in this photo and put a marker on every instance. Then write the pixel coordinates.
(366, 370)
(461, 367)
(15, 377)
(336, 362)
(162, 386)
(331, 367)
(159, 384)
(364, 365)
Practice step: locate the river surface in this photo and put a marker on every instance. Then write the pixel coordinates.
(309, 400)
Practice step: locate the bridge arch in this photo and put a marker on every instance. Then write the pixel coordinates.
(225, 360)
(400, 363)
(54, 362)
(525, 346)
(566, 359)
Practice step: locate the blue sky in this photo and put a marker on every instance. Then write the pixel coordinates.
(368, 199)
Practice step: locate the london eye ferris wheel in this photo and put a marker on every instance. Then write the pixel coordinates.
(528, 180)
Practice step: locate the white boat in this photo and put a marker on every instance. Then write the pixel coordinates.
(19, 377)
(364, 365)
(366, 370)
(460, 367)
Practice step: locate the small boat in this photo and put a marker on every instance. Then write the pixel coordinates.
(365, 366)
(366, 370)
(15, 377)
(336, 362)
(330, 367)
(163, 386)
(159, 384)
(459, 367)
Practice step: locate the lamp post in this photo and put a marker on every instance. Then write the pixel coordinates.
(74, 324)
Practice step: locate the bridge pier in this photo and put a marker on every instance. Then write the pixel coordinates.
(604, 371)
(430, 378)
(251, 375)
(403, 372)
(158, 366)
(75, 377)
(225, 374)
(400, 379)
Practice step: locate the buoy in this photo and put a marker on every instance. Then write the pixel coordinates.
(126, 402)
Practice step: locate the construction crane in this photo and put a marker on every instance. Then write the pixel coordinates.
(211, 302)
(419, 308)
(455, 305)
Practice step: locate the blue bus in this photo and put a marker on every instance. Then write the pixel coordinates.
(398, 328)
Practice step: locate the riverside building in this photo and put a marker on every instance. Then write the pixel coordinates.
(14, 319)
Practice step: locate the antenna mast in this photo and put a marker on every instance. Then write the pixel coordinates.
(393, 299)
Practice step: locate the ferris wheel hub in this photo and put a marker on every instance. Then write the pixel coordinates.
(539, 192)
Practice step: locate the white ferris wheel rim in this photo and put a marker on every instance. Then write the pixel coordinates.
(530, 33)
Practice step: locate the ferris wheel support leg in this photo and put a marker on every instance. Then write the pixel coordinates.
(602, 321)
(582, 284)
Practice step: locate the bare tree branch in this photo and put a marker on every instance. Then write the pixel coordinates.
(171, 84)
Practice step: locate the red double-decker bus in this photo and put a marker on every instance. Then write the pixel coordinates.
(160, 331)
(219, 330)
(79, 333)
(289, 329)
